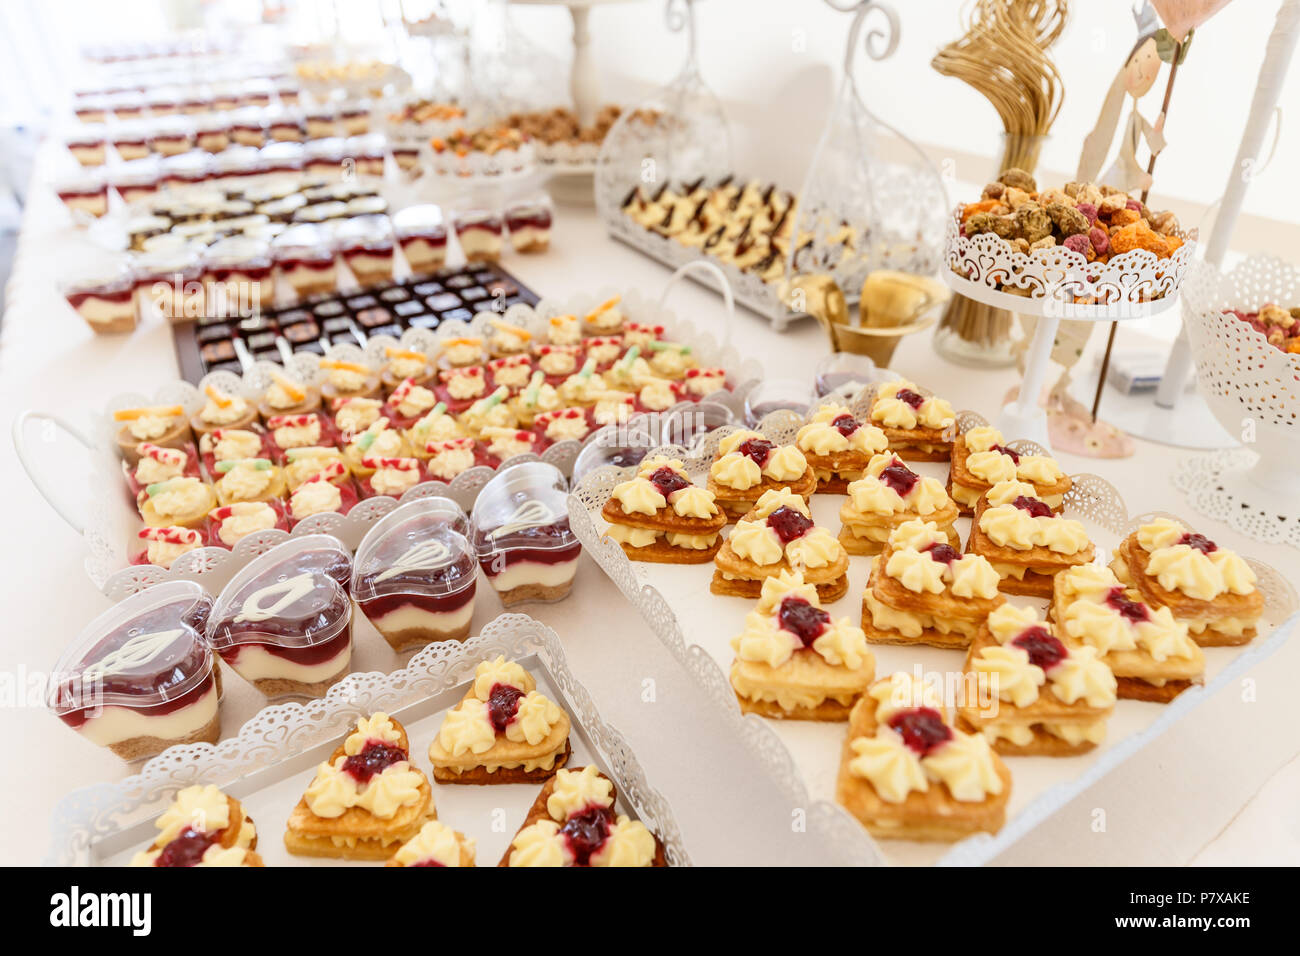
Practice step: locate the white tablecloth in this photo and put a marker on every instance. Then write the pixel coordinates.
(1178, 801)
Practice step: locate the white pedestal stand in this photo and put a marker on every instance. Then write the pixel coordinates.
(1025, 417)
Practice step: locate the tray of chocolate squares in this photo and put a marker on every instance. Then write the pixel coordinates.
(234, 343)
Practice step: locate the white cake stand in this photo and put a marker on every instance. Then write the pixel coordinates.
(1134, 285)
(584, 85)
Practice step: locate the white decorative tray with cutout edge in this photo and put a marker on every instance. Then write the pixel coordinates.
(697, 627)
(111, 520)
(270, 761)
(988, 269)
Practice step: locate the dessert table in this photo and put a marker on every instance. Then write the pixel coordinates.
(1184, 798)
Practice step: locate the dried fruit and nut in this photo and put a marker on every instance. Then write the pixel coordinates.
(1095, 221)
(1280, 326)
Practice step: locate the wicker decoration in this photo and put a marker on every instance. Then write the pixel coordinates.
(1003, 56)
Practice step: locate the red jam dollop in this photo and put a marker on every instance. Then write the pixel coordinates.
(1032, 506)
(667, 481)
(846, 425)
(1126, 607)
(922, 729)
(757, 450)
(503, 703)
(586, 832)
(374, 758)
(1199, 542)
(899, 477)
(909, 397)
(1044, 650)
(802, 619)
(1004, 450)
(941, 552)
(788, 524)
(187, 849)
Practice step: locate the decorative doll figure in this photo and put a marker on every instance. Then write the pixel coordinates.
(1133, 81)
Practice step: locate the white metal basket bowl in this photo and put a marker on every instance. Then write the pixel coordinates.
(1132, 283)
(1253, 389)
(110, 520)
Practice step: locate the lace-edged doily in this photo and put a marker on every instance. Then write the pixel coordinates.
(282, 730)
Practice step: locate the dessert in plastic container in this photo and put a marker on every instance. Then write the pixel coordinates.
(367, 154)
(415, 574)
(86, 193)
(91, 109)
(479, 233)
(247, 128)
(88, 144)
(170, 281)
(285, 124)
(190, 168)
(366, 244)
(131, 141)
(520, 532)
(529, 223)
(286, 157)
(423, 236)
(284, 622)
(171, 137)
(238, 273)
(140, 678)
(305, 256)
(235, 162)
(321, 121)
(104, 295)
(355, 118)
(324, 157)
(329, 491)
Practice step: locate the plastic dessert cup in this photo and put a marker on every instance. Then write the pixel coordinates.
(284, 623)
(520, 532)
(529, 224)
(238, 274)
(305, 257)
(479, 234)
(366, 244)
(140, 678)
(415, 575)
(170, 282)
(105, 298)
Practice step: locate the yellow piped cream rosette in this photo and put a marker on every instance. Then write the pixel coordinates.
(177, 502)
(922, 591)
(661, 516)
(365, 800)
(1209, 588)
(838, 446)
(435, 845)
(918, 427)
(777, 536)
(748, 465)
(1032, 694)
(207, 810)
(1025, 540)
(907, 774)
(303, 464)
(581, 800)
(794, 661)
(1145, 646)
(249, 479)
(436, 426)
(887, 495)
(981, 459)
(503, 731)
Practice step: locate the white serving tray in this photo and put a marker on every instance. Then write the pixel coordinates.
(270, 762)
(111, 520)
(697, 627)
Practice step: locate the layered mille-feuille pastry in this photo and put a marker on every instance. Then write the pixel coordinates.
(918, 427)
(202, 827)
(1150, 652)
(365, 799)
(1025, 540)
(503, 731)
(748, 466)
(907, 774)
(887, 495)
(1033, 694)
(794, 661)
(1210, 589)
(923, 591)
(838, 447)
(777, 536)
(573, 822)
(661, 516)
(981, 459)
